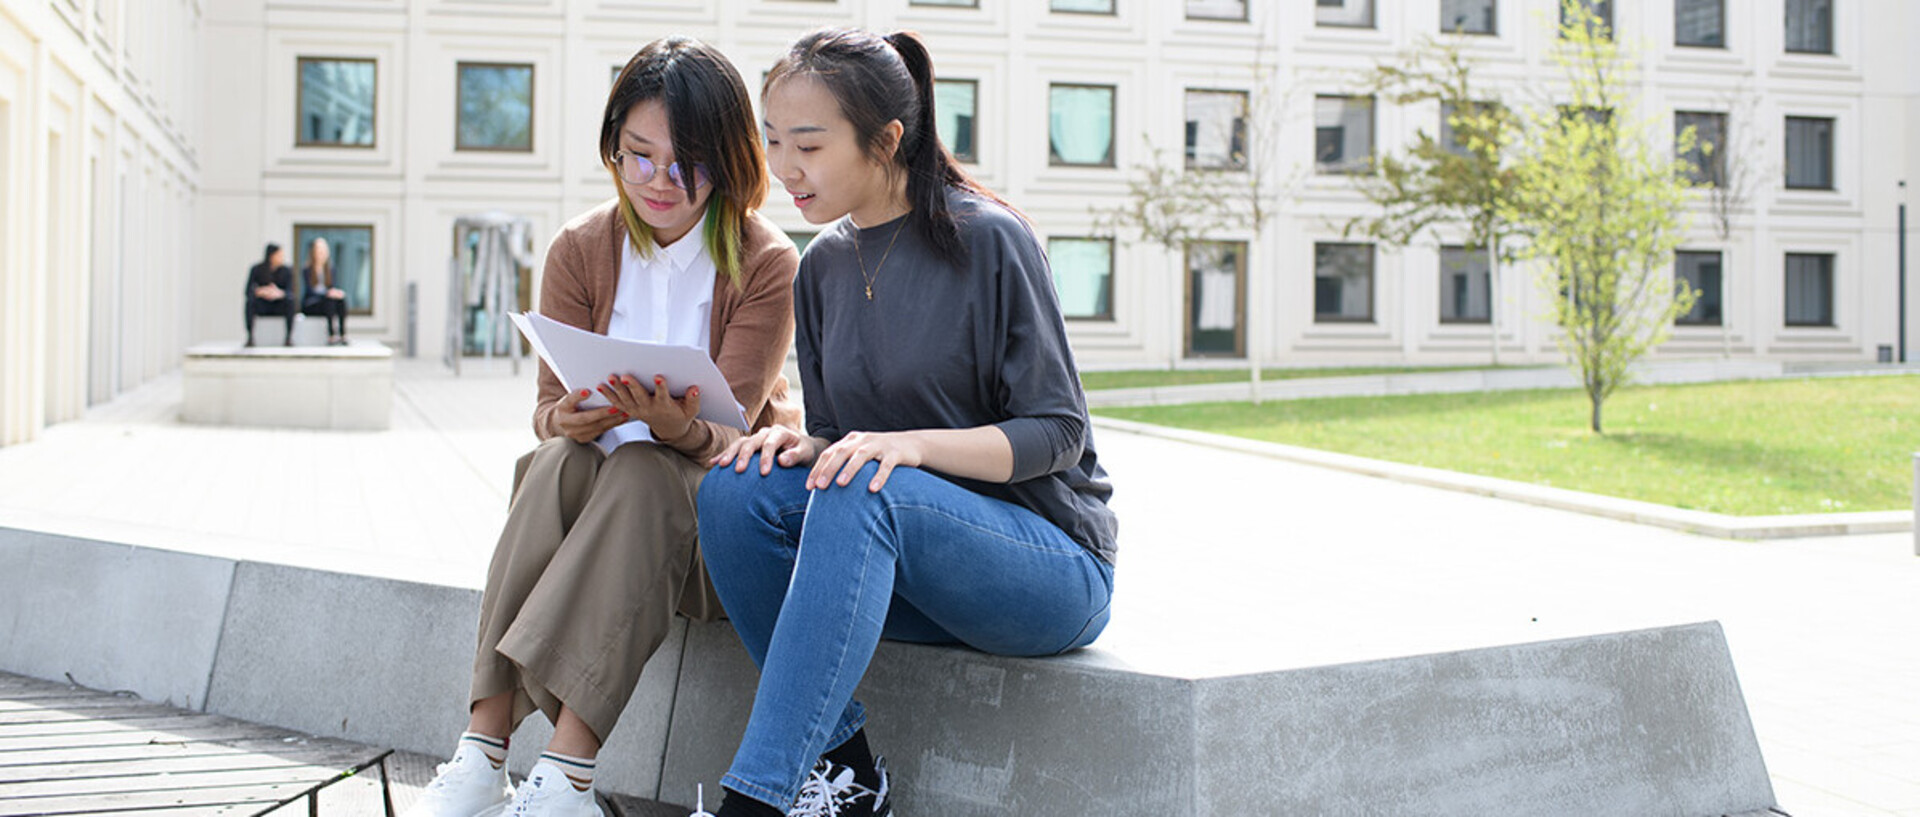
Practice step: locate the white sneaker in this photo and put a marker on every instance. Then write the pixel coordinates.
(829, 791)
(469, 785)
(548, 793)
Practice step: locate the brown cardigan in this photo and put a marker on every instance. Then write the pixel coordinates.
(752, 324)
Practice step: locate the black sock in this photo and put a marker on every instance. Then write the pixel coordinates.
(856, 755)
(740, 805)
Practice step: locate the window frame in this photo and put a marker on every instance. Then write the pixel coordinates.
(962, 4)
(1827, 184)
(299, 249)
(1607, 17)
(1719, 319)
(1372, 23)
(1715, 173)
(1246, 13)
(1373, 284)
(1113, 10)
(1373, 136)
(1246, 128)
(300, 104)
(1493, 22)
(1719, 4)
(1486, 270)
(1189, 320)
(1113, 124)
(1112, 263)
(1786, 27)
(972, 157)
(533, 87)
(1786, 301)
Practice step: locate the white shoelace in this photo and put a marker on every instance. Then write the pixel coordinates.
(823, 797)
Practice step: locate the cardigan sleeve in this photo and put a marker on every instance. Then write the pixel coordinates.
(564, 297)
(754, 341)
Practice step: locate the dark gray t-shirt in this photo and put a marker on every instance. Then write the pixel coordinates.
(946, 347)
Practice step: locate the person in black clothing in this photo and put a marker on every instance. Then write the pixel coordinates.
(269, 288)
(321, 297)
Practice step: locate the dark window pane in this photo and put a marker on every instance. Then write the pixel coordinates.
(1081, 130)
(1809, 153)
(1602, 9)
(496, 107)
(1216, 282)
(1468, 17)
(1809, 289)
(1810, 26)
(1342, 283)
(1708, 157)
(1082, 276)
(336, 102)
(351, 249)
(955, 104)
(1700, 23)
(1465, 292)
(1700, 272)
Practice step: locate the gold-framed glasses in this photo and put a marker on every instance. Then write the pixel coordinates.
(637, 169)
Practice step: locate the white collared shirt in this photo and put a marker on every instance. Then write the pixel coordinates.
(664, 299)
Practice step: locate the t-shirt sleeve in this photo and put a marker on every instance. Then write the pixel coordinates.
(1038, 386)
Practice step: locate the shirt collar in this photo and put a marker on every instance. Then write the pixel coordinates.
(681, 254)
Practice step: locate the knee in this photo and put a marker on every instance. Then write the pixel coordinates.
(724, 492)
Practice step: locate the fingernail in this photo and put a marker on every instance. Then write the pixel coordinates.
(612, 410)
(584, 392)
(694, 391)
(659, 380)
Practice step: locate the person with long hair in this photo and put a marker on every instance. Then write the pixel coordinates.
(320, 296)
(946, 488)
(601, 546)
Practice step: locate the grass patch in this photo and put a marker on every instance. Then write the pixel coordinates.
(1144, 378)
(1744, 448)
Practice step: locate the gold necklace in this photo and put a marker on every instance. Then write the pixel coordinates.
(883, 257)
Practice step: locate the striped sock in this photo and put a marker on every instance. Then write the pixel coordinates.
(579, 770)
(494, 748)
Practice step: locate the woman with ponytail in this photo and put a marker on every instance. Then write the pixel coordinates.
(601, 546)
(945, 489)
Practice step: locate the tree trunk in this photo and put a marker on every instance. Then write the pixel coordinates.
(1593, 421)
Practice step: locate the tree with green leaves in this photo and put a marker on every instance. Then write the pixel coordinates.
(1601, 207)
(1458, 179)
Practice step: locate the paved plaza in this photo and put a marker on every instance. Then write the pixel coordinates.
(1230, 562)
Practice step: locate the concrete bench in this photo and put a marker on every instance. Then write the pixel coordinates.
(334, 387)
(271, 330)
(1649, 721)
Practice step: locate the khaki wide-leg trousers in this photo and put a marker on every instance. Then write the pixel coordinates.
(598, 554)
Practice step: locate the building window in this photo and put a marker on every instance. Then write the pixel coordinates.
(1449, 133)
(1810, 26)
(1343, 13)
(1216, 9)
(1707, 161)
(336, 103)
(1468, 17)
(350, 247)
(956, 103)
(1083, 6)
(1342, 134)
(1809, 289)
(1217, 129)
(1602, 9)
(1700, 272)
(1216, 298)
(495, 107)
(1700, 23)
(1081, 131)
(1809, 153)
(1466, 293)
(1083, 276)
(969, 4)
(1342, 283)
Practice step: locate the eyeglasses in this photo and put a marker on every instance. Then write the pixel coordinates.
(637, 169)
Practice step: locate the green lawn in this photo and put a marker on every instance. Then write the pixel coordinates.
(1747, 448)
(1139, 378)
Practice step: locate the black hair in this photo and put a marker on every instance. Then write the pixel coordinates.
(271, 249)
(878, 80)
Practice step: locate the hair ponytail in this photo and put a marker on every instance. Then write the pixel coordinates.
(878, 80)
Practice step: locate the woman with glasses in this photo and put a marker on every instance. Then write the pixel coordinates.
(946, 488)
(600, 548)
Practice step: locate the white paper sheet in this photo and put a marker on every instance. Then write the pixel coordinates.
(585, 359)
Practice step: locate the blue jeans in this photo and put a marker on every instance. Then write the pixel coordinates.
(813, 579)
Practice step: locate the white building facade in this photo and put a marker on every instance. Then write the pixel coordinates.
(377, 123)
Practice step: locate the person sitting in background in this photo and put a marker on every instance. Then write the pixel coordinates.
(268, 285)
(321, 296)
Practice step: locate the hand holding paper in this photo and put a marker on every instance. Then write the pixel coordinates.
(584, 360)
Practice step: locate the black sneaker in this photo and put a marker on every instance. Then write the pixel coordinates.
(830, 791)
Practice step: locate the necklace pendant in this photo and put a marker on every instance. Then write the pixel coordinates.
(869, 292)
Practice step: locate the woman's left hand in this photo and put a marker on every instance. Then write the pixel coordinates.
(838, 464)
(668, 416)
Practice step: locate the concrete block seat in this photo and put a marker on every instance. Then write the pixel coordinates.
(301, 386)
(1649, 721)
